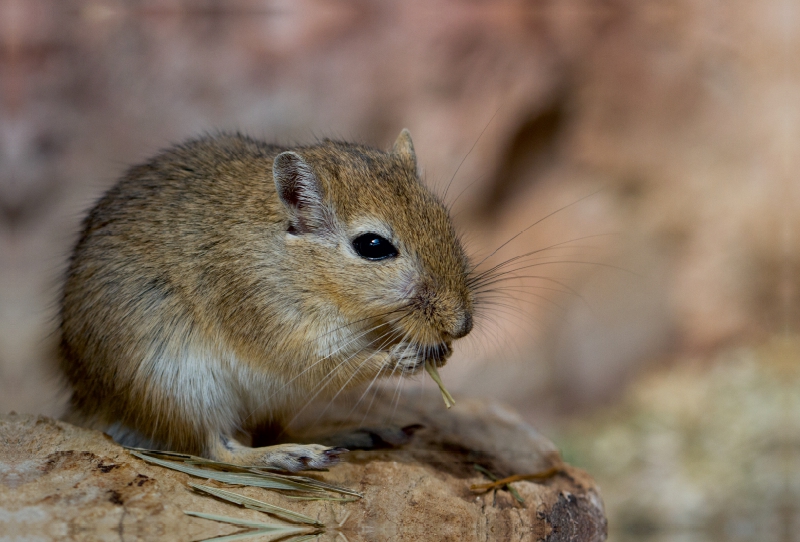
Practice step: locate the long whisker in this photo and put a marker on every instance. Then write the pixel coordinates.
(488, 321)
(541, 260)
(537, 222)
(398, 391)
(502, 278)
(551, 258)
(520, 311)
(579, 262)
(452, 204)
(399, 386)
(372, 317)
(444, 196)
(375, 379)
(520, 288)
(322, 385)
(501, 295)
(394, 368)
(514, 312)
(339, 348)
(563, 245)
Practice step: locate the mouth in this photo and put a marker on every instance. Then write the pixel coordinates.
(410, 358)
(437, 354)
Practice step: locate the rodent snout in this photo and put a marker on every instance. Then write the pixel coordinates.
(464, 326)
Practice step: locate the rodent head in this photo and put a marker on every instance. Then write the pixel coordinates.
(364, 230)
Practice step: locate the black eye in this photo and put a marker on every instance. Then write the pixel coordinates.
(372, 246)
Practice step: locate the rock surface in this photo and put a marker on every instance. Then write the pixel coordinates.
(60, 482)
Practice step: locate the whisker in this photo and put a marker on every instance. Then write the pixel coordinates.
(526, 289)
(514, 312)
(537, 222)
(372, 382)
(350, 340)
(561, 245)
(542, 260)
(447, 188)
(518, 317)
(374, 396)
(399, 386)
(452, 205)
(352, 376)
(537, 277)
(399, 309)
(490, 302)
(579, 262)
(321, 387)
(398, 391)
(494, 337)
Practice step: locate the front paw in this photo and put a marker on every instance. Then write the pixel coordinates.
(297, 457)
(410, 358)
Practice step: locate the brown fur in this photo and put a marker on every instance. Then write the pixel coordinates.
(202, 301)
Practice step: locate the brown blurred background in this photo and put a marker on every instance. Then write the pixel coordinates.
(662, 135)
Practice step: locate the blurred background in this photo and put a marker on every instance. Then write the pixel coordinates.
(647, 151)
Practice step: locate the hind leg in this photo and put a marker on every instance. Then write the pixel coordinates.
(372, 438)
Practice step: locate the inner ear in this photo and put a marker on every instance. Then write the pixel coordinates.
(300, 192)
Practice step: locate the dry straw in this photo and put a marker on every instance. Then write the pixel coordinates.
(448, 399)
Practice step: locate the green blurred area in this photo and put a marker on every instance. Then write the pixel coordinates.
(707, 449)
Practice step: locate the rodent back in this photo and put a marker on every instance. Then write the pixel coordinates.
(157, 251)
(194, 221)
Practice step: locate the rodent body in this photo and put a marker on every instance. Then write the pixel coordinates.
(224, 283)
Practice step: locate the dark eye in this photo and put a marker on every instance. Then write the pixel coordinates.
(372, 246)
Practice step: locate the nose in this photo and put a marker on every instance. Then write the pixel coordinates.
(463, 327)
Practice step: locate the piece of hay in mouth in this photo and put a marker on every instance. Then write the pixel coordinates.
(448, 399)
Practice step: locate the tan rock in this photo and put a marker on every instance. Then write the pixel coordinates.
(61, 482)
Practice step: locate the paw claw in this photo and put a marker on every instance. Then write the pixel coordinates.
(306, 457)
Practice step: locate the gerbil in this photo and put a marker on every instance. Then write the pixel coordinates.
(219, 286)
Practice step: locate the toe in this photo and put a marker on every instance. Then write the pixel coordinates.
(328, 458)
(336, 451)
(312, 457)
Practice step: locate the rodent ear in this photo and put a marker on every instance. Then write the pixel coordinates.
(404, 147)
(299, 190)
